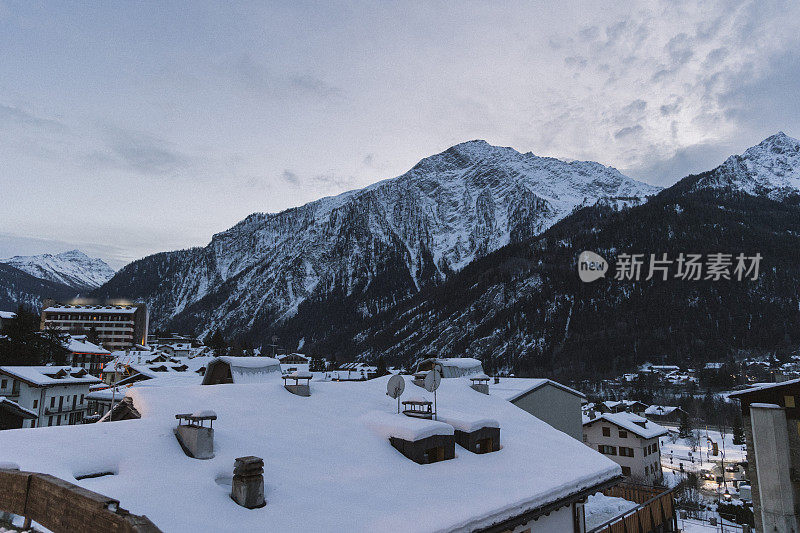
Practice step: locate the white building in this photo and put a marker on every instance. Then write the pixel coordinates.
(57, 394)
(117, 326)
(629, 440)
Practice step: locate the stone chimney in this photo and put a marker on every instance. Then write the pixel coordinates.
(247, 488)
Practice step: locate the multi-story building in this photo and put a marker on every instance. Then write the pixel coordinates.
(629, 440)
(56, 394)
(771, 415)
(117, 326)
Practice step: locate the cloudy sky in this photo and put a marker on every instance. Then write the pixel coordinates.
(128, 128)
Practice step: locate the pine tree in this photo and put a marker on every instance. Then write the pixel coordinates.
(738, 431)
(686, 427)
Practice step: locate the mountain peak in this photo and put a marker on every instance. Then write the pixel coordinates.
(73, 268)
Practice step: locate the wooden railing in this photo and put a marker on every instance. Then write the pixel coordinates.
(655, 512)
(60, 505)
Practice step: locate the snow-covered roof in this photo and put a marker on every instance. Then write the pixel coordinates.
(16, 408)
(45, 376)
(245, 369)
(99, 309)
(80, 344)
(7, 315)
(513, 388)
(634, 423)
(660, 410)
(328, 464)
(763, 386)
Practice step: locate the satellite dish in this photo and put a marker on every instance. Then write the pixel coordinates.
(432, 380)
(396, 386)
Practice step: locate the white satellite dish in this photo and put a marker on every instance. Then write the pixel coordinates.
(433, 380)
(396, 386)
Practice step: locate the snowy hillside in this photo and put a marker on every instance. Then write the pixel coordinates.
(73, 268)
(771, 168)
(388, 239)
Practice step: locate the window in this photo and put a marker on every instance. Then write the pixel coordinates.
(788, 401)
(35, 404)
(81, 398)
(626, 471)
(3, 384)
(49, 420)
(58, 420)
(606, 432)
(52, 401)
(625, 452)
(623, 434)
(607, 450)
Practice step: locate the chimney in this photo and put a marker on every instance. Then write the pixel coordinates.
(480, 383)
(247, 488)
(196, 440)
(301, 389)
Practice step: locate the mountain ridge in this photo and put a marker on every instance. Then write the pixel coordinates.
(72, 268)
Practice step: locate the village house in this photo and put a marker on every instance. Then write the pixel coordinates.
(5, 317)
(771, 415)
(55, 394)
(665, 414)
(374, 478)
(86, 355)
(629, 440)
(621, 406)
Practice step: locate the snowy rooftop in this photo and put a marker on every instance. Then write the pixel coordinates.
(660, 409)
(633, 423)
(512, 388)
(91, 309)
(328, 465)
(44, 376)
(763, 386)
(7, 315)
(79, 344)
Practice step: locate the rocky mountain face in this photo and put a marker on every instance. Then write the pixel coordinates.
(20, 288)
(770, 169)
(373, 247)
(74, 269)
(523, 308)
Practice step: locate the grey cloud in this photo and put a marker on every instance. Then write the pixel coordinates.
(575, 61)
(716, 56)
(369, 159)
(589, 33)
(628, 131)
(290, 176)
(635, 106)
(679, 48)
(14, 116)
(139, 152)
(314, 85)
(670, 109)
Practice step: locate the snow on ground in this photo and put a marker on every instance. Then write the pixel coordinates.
(680, 450)
(601, 508)
(325, 469)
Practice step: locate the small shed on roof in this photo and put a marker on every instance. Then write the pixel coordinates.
(241, 370)
(451, 367)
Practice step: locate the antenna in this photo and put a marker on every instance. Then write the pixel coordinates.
(395, 388)
(432, 382)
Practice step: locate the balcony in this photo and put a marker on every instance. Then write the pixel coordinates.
(65, 409)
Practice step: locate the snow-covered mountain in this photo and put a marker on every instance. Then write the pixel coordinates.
(73, 268)
(771, 169)
(384, 241)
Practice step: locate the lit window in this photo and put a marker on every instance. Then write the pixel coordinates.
(788, 401)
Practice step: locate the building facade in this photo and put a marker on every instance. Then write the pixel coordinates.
(56, 394)
(771, 415)
(117, 326)
(629, 440)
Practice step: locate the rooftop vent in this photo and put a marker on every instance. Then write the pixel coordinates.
(196, 440)
(247, 487)
(480, 383)
(418, 408)
(301, 389)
